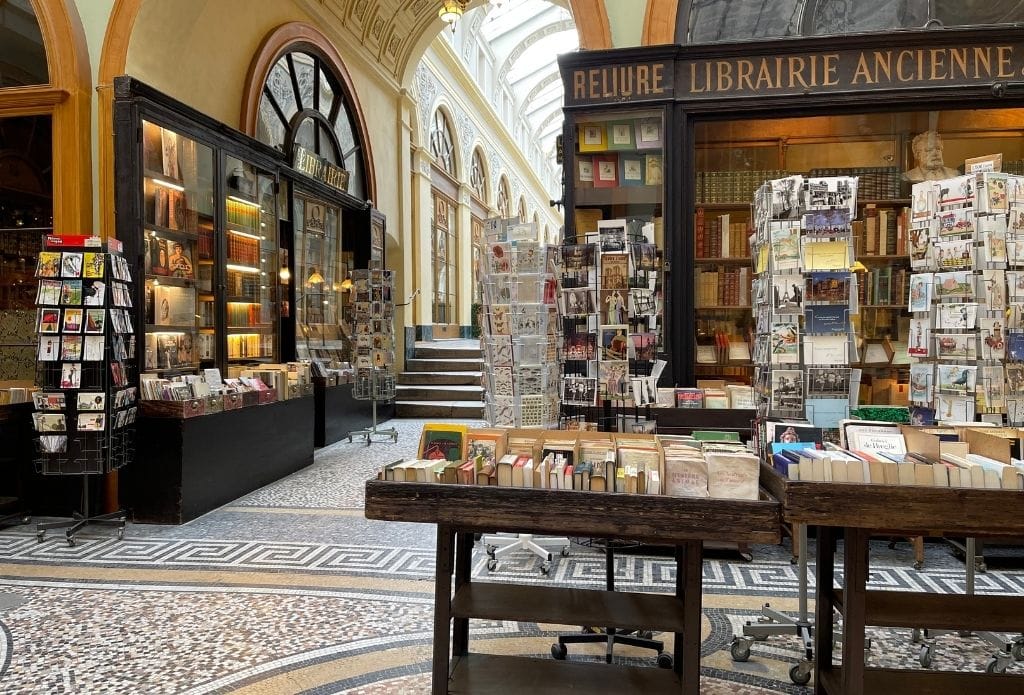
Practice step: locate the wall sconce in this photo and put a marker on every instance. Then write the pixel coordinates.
(315, 278)
(346, 284)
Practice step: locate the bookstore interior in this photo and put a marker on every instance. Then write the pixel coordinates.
(792, 299)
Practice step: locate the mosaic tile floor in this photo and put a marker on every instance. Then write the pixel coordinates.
(290, 590)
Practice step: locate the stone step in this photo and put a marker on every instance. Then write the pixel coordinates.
(453, 378)
(439, 365)
(444, 392)
(447, 353)
(470, 410)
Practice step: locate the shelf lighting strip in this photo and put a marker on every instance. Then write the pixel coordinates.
(243, 201)
(243, 268)
(247, 235)
(168, 184)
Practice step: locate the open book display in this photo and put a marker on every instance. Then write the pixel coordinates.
(804, 298)
(966, 341)
(609, 301)
(520, 327)
(889, 454)
(680, 466)
(85, 408)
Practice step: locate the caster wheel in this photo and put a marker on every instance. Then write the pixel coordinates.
(492, 565)
(350, 440)
(490, 551)
(1017, 651)
(545, 568)
(995, 666)
(645, 634)
(565, 551)
(40, 536)
(71, 542)
(26, 520)
(559, 652)
(664, 660)
(747, 557)
(792, 560)
(925, 657)
(120, 534)
(740, 650)
(800, 674)
(981, 567)
(919, 566)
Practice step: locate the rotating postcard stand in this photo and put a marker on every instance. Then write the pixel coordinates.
(85, 408)
(373, 313)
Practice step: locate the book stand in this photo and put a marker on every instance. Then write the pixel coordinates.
(376, 387)
(612, 636)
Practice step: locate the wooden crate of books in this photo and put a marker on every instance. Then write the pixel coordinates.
(268, 396)
(233, 401)
(194, 407)
(214, 404)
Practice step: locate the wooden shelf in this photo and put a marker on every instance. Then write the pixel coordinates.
(882, 306)
(661, 612)
(888, 680)
(250, 329)
(719, 307)
(483, 674)
(884, 201)
(151, 174)
(154, 328)
(884, 258)
(743, 260)
(167, 231)
(171, 280)
(621, 195)
(942, 611)
(745, 205)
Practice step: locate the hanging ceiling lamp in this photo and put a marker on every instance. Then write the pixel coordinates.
(451, 11)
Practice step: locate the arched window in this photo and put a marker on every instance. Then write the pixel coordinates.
(23, 60)
(504, 199)
(442, 144)
(478, 176)
(522, 209)
(304, 103)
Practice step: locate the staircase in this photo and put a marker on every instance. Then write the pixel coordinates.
(442, 380)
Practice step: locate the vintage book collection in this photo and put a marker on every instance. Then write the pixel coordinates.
(86, 400)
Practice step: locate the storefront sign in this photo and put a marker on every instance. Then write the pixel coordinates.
(810, 72)
(319, 168)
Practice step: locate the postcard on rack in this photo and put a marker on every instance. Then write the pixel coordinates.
(957, 346)
(921, 383)
(826, 349)
(93, 265)
(578, 302)
(70, 292)
(785, 246)
(528, 257)
(48, 321)
(952, 408)
(501, 257)
(955, 254)
(919, 337)
(956, 378)
(49, 292)
(991, 394)
(614, 379)
(71, 265)
(993, 284)
(922, 244)
(577, 390)
(823, 382)
(93, 348)
(827, 318)
(833, 288)
(579, 257)
(957, 222)
(924, 197)
(787, 390)
(957, 316)
(956, 191)
(49, 422)
(581, 346)
(614, 271)
(49, 348)
(831, 192)
(825, 255)
(992, 192)
(785, 342)
(785, 197)
(948, 285)
(827, 223)
(612, 235)
(48, 264)
(1015, 347)
(614, 342)
(787, 293)
(992, 232)
(993, 345)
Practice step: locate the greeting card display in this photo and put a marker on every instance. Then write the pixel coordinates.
(86, 411)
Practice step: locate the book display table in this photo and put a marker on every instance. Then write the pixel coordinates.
(861, 511)
(462, 511)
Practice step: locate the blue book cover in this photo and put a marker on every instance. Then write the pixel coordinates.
(828, 318)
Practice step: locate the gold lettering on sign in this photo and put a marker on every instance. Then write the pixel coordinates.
(618, 82)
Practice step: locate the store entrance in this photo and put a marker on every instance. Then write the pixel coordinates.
(444, 256)
(321, 268)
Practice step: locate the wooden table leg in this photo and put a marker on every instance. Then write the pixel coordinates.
(463, 568)
(442, 606)
(855, 568)
(687, 655)
(824, 579)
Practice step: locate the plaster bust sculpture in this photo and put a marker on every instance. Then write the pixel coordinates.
(927, 147)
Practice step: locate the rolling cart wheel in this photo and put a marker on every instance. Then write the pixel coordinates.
(747, 557)
(981, 567)
(916, 635)
(26, 520)
(664, 660)
(740, 649)
(801, 673)
(120, 534)
(565, 551)
(1017, 651)
(995, 665)
(71, 541)
(925, 657)
(792, 560)
(492, 565)
(558, 651)
(40, 535)
(545, 568)
(490, 550)
(350, 439)
(919, 565)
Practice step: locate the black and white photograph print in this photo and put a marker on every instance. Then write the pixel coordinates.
(827, 223)
(788, 293)
(831, 192)
(786, 197)
(579, 390)
(828, 382)
(612, 234)
(787, 390)
(577, 302)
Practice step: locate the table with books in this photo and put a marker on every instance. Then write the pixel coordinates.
(483, 505)
(860, 510)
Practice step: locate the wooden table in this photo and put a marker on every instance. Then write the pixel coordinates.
(461, 511)
(865, 510)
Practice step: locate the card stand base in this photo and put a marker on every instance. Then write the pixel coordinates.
(380, 388)
(78, 521)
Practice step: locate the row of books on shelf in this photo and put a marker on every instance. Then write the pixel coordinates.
(876, 183)
(969, 455)
(883, 231)
(723, 287)
(721, 236)
(731, 186)
(885, 286)
(701, 465)
(285, 380)
(242, 214)
(243, 250)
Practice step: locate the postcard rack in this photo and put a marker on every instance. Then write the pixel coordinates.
(610, 311)
(373, 313)
(85, 409)
(519, 327)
